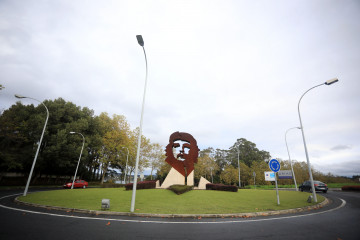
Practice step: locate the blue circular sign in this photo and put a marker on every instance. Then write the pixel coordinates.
(274, 165)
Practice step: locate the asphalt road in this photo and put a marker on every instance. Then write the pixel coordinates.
(339, 220)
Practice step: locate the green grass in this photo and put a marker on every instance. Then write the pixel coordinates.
(330, 185)
(268, 186)
(339, 185)
(163, 201)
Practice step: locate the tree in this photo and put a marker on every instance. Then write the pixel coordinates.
(156, 157)
(259, 168)
(20, 130)
(145, 150)
(221, 158)
(105, 139)
(249, 153)
(229, 175)
(206, 166)
(116, 135)
(163, 170)
(19, 133)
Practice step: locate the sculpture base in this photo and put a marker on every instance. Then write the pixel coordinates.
(202, 183)
(174, 177)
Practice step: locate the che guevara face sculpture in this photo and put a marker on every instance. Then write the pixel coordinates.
(184, 161)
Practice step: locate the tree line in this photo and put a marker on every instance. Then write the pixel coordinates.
(222, 166)
(108, 140)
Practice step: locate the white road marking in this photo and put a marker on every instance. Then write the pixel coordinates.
(167, 222)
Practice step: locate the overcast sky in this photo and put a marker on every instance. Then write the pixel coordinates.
(219, 70)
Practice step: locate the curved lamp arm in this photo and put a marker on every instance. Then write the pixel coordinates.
(41, 138)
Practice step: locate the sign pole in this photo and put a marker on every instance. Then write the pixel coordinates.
(275, 167)
(254, 174)
(277, 191)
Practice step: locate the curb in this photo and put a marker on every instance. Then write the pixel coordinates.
(227, 215)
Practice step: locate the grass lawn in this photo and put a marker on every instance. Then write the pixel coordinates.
(339, 185)
(330, 185)
(166, 202)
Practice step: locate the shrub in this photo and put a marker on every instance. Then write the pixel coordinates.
(141, 185)
(221, 187)
(180, 189)
(112, 185)
(350, 188)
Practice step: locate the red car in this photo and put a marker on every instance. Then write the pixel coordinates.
(77, 184)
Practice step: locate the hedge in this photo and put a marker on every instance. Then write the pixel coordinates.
(350, 188)
(141, 185)
(221, 187)
(180, 189)
(111, 185)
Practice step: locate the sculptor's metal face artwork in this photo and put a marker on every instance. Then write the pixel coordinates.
(184, 161)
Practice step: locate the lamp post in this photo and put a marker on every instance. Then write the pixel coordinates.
(127, 158)
(37, 151)
(329, 82)
(238, 150)
(141, 43)
(72, 186)
(292, 169)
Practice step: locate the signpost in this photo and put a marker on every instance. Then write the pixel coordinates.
(275, 167)
(254, 174)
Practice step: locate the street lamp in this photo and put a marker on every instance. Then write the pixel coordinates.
(329, 82)
(127, 158)
(141, 43)
(292, 170)
(37, 151)
(72, 186)
(238, 150)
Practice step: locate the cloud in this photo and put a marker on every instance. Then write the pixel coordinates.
(220, 72)
(343, 168)
(340, 147)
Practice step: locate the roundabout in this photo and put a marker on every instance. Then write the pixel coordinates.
(338, 219)
(32, 208)
(164, 203)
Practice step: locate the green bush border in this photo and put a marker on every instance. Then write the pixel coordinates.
(142, 185)
(221, 187)
(350, 188)
(180, 189)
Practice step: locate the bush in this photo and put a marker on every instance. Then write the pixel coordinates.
(221, 187)
(112, 185)
(180, 189)
(350, 188)
(141, 185)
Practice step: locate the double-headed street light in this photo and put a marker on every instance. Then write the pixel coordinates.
(72, 186)
(329, 82)
(132, 207)
(292, 169)
(37, 151)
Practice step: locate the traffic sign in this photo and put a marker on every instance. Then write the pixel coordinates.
(274, 165)
(285, 174)
(269, 176)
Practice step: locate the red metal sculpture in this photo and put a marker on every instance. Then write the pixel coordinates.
(184, 161)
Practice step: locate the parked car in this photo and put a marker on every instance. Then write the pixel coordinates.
(319, 186)
(77, 184)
